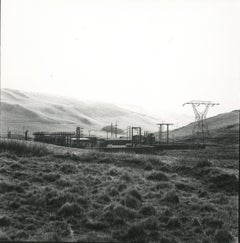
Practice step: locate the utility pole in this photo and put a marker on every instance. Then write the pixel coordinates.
(26, 135)
(116, 125)
(200, 128)
(168, 132)
(111, 129)
(159, 133)
(78, 134)
(140, 135)
(129, 132)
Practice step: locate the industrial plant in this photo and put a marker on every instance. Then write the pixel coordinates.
(134, 139)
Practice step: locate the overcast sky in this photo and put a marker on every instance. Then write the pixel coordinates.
(155, 54)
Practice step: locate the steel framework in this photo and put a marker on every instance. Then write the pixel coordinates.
(160, 131)
(139, 133)
(200, 128)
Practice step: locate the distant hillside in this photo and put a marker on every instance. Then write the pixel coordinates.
(39, 112)
(223, 126)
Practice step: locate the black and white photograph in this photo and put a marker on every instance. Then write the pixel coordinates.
(119, 121)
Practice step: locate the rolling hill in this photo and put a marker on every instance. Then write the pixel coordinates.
(39, 112)
(221, 127)
(21, 110)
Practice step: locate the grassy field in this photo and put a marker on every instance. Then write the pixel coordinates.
(62, 194)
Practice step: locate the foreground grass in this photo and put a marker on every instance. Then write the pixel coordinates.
(72, 195)
(21, 148)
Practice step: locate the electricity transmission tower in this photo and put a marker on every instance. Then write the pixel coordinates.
(200, 128)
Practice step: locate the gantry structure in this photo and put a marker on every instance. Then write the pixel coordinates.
(160, 140)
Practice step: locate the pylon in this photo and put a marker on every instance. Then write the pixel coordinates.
(200, 128)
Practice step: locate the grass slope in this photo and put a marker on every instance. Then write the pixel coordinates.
(221, 127)
(39, 112)
(65, 194)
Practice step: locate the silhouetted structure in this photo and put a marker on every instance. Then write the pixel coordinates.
(200, 128)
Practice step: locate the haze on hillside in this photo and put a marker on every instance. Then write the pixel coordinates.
(40, 112)
(152, 54)
(21, 111)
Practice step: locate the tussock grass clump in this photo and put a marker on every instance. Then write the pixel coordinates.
(148, 166)
(212, 222)
(151, 223)
(148, 210)
(24, 160)
(4, 237)
(16, 166)
(121, 187)
(126, 177)
(223, 181)
(51, 177)
(21, 234)
(204, 163)
(3, 171)
(57, 231)
(5, 221)
(113, 192)
(135, 193)
(70, 209)
(15, 204)
(202, 193)
(163, 185)
(168, 240)
(207, 207)
(66, 155)
(164, 167)
(6, 187)
(108, 216)
(95, 225)
(67, 168)
(21, 176)
(83, 201)
(96, 157)
(158, 176)
(113, 172)
(223, 236)
(171, 197)
(173, 222)
(124, 212)
(222, 200)
(104, 198)
(59, 199)
(184, 187)
(196, 222)
(36, 178)
(155, 160)
(8, 155)
(131, 202)
(136, 232)
(63, 183)
(106, 159)
(167, 212)
(22, 148)
(134, 160)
